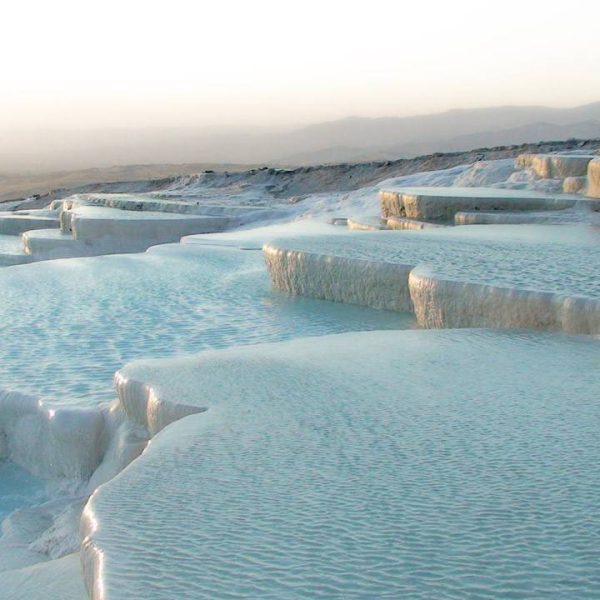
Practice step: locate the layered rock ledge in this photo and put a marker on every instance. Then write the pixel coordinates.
(441, 204)
(594, 179)
(310, 468)
(548, 278)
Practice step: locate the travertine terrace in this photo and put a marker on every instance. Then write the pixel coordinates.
(354, 393)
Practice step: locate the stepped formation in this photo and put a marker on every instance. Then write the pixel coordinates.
(593, 178)
(491, 279)
(96, 224)
(575, 178)
(441, 204)
(579, 173)
(91, 224)
(393, 486)
(501, 275)
(557, 166)
(274, 463)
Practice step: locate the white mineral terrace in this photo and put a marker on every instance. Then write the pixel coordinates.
(404, 223)
(164, 204)
(556, 166)
(441, 204)
(139, 228)
(11, 251)
(575, 185)
(383, 464)
(545, 277)
(15, 223)
(265, 442)
(503, 217)
(581, 213)
(92, 225)
(594, 179)
(366, 223)
(90, 316)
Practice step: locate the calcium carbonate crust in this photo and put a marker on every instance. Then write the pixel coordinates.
(460, 285)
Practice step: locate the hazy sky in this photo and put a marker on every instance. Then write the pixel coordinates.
(145, 63)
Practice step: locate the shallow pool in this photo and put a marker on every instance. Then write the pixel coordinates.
(18, 489)
(67, 325)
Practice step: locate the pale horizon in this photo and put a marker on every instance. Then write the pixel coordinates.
(226, 127)
(79, 67)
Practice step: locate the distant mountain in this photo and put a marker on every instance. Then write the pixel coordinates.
(351, 139)
(488, 139)
(526, 133)
(387, 138)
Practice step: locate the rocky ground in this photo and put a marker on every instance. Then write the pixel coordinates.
(288, 182)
